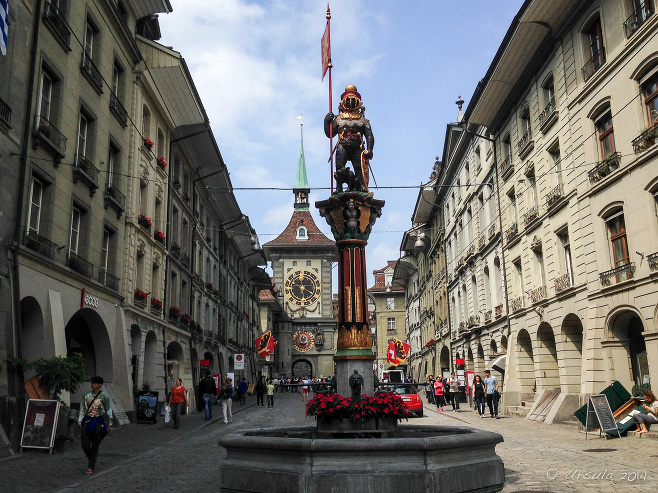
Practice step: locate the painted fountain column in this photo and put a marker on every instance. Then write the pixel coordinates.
(351, 216)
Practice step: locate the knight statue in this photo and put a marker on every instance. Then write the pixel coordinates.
(351, 127)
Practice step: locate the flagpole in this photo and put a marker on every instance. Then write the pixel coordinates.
(331, 128)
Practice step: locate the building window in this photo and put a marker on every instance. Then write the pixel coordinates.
(146, 122)
(308, 263)
(619, 244)
(606, 134)
(563, 237)
(650, 93)
(390, 303)
(302, 233)
(74, 238)
(34, 213)
(45, 101)
(518, 271)
(390, 324)
(556, 159)
(595, 49)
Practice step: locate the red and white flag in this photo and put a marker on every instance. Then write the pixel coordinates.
(397, 352)
(265, 344)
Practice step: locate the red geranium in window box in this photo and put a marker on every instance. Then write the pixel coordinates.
(156, 303)
(144, 221)
(148, 143)
(162, 163)
(159, 236)
(140, 295)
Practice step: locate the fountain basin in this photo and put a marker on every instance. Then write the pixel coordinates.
(413, 459)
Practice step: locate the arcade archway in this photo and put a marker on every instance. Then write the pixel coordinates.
(526, 365)
(302, 368)
(32, 334)
(572, 352)
(547, 357)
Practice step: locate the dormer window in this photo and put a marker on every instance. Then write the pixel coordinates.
(302, 233)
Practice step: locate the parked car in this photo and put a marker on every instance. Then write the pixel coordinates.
(409, 395)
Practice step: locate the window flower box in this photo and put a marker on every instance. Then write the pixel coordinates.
(140, 295)
(159, 236)
(156, 305)
(144, 222)
(209, 286)
(174, 312)
(148, 143)
(162, 164)
(186, 197)
(185, 318)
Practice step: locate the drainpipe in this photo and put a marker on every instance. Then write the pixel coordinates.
(15, 378)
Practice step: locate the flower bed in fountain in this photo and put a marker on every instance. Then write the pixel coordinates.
(334, 406)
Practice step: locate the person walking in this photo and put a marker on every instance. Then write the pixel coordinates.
(227, 400)
(260, 390)
(208, 390)
(270, 394)
(479, 394)
(243, 386)
(453, 384)
(177, 398)
(91, 418)
(438, 393)
(491, 384)
(304, 395)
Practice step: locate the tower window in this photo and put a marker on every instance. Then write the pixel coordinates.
(302, 233)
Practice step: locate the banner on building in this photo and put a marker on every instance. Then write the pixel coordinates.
(239, 361)
(397, 352)
(265, 344)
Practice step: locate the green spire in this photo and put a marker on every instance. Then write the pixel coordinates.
(301, 182)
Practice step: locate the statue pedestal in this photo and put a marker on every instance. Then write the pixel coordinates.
(345, 368)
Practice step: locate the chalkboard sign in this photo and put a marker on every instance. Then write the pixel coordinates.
(599, 413)
(40, 424)
(147, 407)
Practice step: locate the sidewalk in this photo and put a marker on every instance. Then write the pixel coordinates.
(43, 472)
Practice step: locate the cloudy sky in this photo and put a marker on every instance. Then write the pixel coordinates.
(257, 66)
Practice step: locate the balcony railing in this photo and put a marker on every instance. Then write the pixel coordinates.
(531, 215)
(118, 110)
(462, 327)
(487, 316)
(91, 72)
(185, 260)
(87, 172)
(492, 232)
(80, 265)
(554, 195)
(57, 23)
(562, 283)
(593, 64)
(511, 232)
(636, 20)
(653, 261)
(546, 117)
(474, 320)
(108, 280)
(470, 252)
(39, 244)
(646, 139)
(46, 133)
(516, 304)
(5, 112)
(498, 311)
(623, 273)
(506, 168)
(604, 168)
(481, 242)
(524, 144)
(537, 294)
(115, 199)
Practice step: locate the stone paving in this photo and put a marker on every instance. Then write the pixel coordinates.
(158, 458)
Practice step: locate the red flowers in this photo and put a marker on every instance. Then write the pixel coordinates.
(336, 406)
(162, 163)
(159, 236)
(174, 311)
(140, 295)
(148, 143)
(144, 221)
(186, 318)
(156, 303)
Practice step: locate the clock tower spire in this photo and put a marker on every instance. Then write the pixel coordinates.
(301, 188)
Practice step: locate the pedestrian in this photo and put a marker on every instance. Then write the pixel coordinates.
(177, 398)
(438, 393)
(243, 386)
(453, 384)
(260, 390)
(491, 384)
(208, 390)
(479, 394)
(642, 420)
(270, 394)
(276, 384)
(304, 395)
(227, 400)
(429, 387)
(91, 418)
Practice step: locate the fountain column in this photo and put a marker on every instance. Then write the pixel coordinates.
(351, 216)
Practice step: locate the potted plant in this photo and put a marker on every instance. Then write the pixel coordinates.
(148, 143)
(56, 375)
(162, 163)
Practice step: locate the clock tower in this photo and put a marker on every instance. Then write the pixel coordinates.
(302, 258)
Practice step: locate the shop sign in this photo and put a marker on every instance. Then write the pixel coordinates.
(89, 300)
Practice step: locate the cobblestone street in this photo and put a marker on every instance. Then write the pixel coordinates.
(156, 458)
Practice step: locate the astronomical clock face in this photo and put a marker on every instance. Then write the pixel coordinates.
(302, 340)
(302, 288)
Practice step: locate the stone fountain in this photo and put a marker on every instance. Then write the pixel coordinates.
(348, 456)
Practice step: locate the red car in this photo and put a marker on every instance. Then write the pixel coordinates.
(410, 397)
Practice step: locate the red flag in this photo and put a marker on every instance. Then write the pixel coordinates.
(397, 352)
(326, 47)
(265, 344)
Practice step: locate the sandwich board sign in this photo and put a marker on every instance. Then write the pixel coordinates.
(599, 415)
